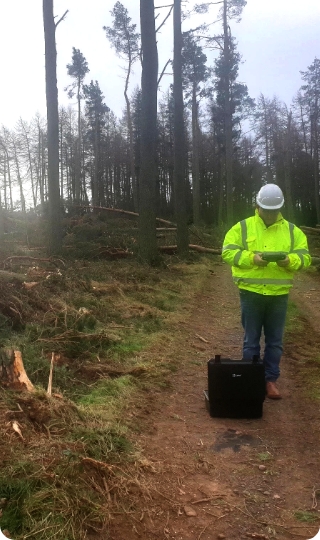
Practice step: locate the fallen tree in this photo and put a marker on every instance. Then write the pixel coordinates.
(310, 230)
(128, 213)
(193, 247)
(27, 260)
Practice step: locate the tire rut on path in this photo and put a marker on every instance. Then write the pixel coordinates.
(214, 478)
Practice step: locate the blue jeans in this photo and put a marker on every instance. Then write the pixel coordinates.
(259, 311)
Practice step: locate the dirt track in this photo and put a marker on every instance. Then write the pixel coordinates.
(240, 478)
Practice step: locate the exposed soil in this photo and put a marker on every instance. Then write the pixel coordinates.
(238, 478)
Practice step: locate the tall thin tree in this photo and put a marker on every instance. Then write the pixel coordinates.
(179, 135)
(55, 230)
(125, 40)
(77, 70)
(149, 84)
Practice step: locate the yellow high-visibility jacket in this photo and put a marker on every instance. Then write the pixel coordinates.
(252, 236)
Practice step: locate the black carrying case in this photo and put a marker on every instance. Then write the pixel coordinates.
(236, 388)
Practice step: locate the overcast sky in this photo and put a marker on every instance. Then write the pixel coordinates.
(276, 38)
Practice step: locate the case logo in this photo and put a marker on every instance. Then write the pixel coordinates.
(235, 375)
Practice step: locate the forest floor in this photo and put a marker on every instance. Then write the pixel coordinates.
(212, 478)
(124, 448)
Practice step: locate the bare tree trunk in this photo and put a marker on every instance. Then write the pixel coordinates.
(5, 182)
(43, 172)
(303, 125)
(195, 158)
(10, 184)
(179, 136)
(221, 186)
(314, 131)
(55, 233)
(288, 169)
(61, 154)
(131, 148)
(149, 84)
(16, 160)
(26, 135)
(228, 118)
(77, 165)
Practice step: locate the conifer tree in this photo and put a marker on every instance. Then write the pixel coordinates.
(77, 70)
(96, 111)
(311, 99)
(195, 72)
(125, 40)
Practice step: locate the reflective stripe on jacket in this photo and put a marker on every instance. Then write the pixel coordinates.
(252, 236)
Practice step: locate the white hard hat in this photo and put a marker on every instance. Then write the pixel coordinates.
(270, 197)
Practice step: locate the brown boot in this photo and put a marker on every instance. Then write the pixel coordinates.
(272, 391)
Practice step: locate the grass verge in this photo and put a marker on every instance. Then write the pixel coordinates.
(110, 326)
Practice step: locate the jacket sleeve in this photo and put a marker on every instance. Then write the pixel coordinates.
(299, 257)
(233, 251)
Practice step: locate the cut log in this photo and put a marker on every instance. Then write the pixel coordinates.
(22, 259)
(9, 277)
(311, 230)
(12, 373)
(193, 247)
(127, 213)
(204, 249)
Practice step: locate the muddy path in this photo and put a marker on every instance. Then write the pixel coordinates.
(210, 478)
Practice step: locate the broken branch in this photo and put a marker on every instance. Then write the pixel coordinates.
(62, 18)
(164, 21)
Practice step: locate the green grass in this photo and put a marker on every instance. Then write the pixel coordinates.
(104, 444)
(120, 351)
(307, 366)
(107, 390)
(14, 491)
(264, 456)
(305, 516)
(48, 490)
(294, 322)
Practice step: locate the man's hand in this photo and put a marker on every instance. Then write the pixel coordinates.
(284, 262)
(257, 260)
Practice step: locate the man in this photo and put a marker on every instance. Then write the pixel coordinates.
(264, 286)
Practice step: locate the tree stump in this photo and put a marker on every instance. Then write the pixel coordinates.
(12, 373)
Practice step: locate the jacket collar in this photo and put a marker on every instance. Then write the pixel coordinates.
(279, 220)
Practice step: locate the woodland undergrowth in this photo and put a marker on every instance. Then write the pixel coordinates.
(68, 459)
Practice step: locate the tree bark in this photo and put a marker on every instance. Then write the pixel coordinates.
(135, 189)
(16, 160)
(179, 136)
(55, 232)
(314, 131)
(288, 170)
(195, 157)
(12, 372)
(78, 149)
(228, 118)
(149, 84)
